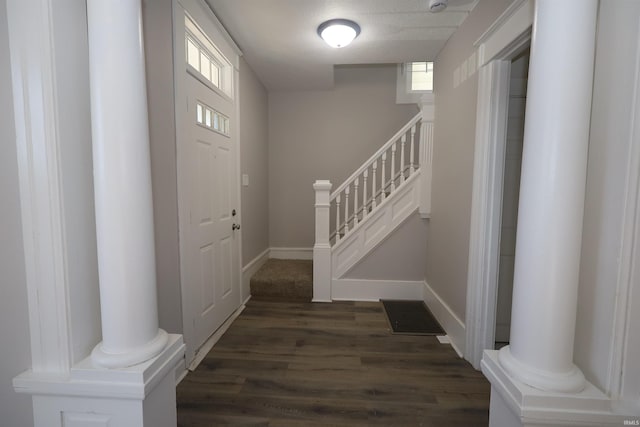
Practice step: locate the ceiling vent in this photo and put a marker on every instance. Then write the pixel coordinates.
(436, 6)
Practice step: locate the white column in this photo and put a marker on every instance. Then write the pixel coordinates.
(122, 180)
(322, 247)
(552, 197)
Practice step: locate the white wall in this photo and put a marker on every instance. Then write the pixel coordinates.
(325, 135)
(15, 351)
(453, 150)
(618, 44)
(254, 161)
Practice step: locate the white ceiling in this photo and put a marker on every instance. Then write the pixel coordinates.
(278, 37)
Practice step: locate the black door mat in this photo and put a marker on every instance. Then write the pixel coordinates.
(411, 318)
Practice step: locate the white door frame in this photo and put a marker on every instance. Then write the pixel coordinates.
(496, 47)
(213, 28)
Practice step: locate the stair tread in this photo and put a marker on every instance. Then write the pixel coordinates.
(284, 280)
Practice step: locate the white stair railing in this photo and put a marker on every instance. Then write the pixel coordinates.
(377, 177)
(402, 169)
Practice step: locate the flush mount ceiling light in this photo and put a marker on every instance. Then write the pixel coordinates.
(436, 6)
(338, 32)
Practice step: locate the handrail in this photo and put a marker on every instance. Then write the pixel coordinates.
(376, 155)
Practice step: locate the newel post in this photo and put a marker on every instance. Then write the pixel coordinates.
(427, 107)
(322, 247)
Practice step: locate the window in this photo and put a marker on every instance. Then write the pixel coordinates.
(420, 76)
(212, 119)
(414, 79)
(205, 61)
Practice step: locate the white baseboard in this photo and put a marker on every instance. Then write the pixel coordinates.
(453, 326)
(374, 290)
(181, 371)
(291, 253)
(213, 339)
(250, 269)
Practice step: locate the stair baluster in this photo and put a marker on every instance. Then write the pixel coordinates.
(356, 184)
(346, 210)
(393, 167)
(403, 143)
(338, 218)
(412, 168)
(383, 195)
(365, 211)
(373, 185)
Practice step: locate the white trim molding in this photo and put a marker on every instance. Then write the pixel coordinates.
(249, 270)
(508, 35)
(510, 31)
(625, 354)
(291, 253)
(33, 64)
(516, 404)
(450, 322)
(486, 207)
(133, 396)
(202, 352)
(375, 290)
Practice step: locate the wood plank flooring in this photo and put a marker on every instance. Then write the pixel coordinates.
(305, 364)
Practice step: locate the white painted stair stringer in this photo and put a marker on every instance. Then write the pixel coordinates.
(376, 227)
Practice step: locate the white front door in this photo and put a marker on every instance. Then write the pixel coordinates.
(213, 203)
(209, 207)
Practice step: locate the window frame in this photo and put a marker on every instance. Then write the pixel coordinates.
(404, 93)
(194, 35)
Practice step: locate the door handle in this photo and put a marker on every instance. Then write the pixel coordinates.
(235, 227)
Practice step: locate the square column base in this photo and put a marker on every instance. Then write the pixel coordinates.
(137, 396)
(515, 404)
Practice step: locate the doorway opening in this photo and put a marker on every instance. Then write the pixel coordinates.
(510, 194)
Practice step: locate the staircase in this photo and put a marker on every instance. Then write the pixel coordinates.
(283, 280)
(368, 206)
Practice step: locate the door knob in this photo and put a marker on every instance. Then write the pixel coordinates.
(235, 227)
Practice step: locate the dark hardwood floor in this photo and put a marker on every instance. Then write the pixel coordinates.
(305, 364)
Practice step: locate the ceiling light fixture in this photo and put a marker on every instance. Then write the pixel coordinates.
(338, 32)
(436, 6)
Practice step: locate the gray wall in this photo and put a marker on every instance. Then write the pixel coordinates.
(325, 135)
(158, 37)
(609, 149)
(399, 257)
(254, 161)
(454, 138)
(15, 353)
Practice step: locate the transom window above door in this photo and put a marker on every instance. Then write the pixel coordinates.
(205, 61)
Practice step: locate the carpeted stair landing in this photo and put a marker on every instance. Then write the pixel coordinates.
(283, 280)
